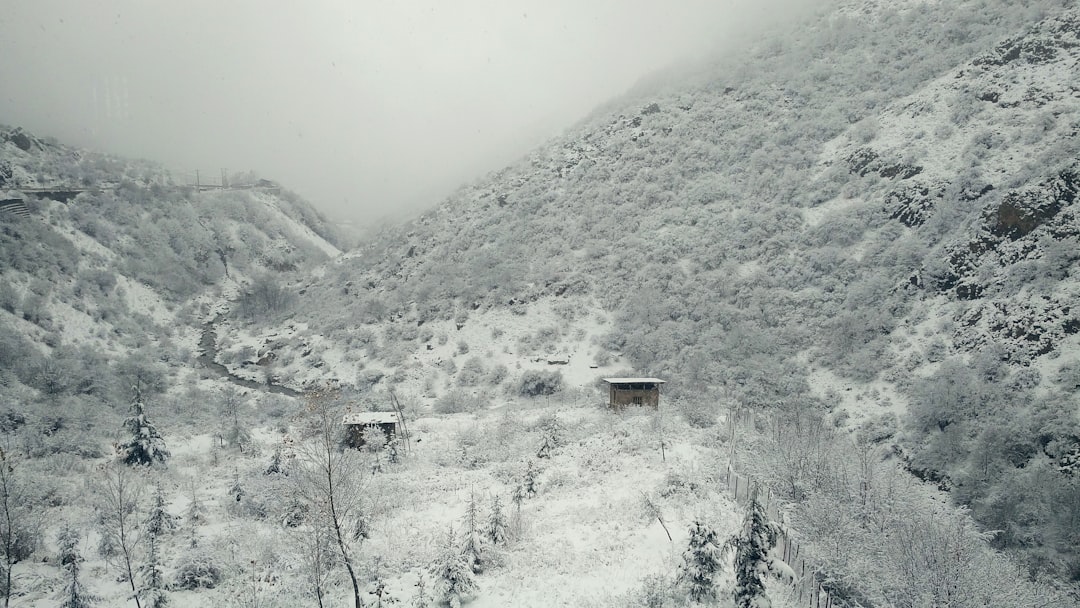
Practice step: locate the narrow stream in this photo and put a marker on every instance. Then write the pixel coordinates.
(208, 346)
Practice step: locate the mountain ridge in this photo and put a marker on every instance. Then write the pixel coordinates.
(861, 229)
(869, 217)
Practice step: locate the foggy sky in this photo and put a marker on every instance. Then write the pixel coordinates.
(368, 108)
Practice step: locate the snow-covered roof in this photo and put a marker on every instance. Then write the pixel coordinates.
(633, 381)
(369, 418)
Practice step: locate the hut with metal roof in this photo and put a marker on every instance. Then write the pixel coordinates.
(633, 391)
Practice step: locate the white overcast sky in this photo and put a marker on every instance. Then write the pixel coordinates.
(366, 107)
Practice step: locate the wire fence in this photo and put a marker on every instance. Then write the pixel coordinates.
(807, 583)
(808, 589)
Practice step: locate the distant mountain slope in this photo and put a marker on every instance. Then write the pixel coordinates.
(110, 268)
(779, 174)
(884, 197)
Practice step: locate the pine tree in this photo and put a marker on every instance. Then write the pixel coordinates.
(237, 489)
(473, 541)
(701, 562)
(158, 523)
(236, 433)
(146, 445)
(153, 576)
(75, 594)
(496, 528)
(275, 467)
(453, 576)
(379, 587)
(752, 559)
(550, 436)
(526, 486)
(420, 598)
(195, 515)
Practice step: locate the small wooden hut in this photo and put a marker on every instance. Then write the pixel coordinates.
(633, 391)
(356, 422)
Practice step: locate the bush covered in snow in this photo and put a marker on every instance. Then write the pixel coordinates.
(198, 570)
(535, 383)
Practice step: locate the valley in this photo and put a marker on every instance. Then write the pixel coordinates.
(850, 250)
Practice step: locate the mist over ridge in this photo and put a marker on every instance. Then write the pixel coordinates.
(366, 109)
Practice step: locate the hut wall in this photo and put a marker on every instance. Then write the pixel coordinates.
(622, 397)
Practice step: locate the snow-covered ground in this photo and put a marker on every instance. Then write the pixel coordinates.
(585, 539)
(551, 334)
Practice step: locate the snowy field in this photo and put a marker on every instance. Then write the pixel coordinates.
(587, 538)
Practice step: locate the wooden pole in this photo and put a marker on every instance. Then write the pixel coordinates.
(660, 422)
(401, 418)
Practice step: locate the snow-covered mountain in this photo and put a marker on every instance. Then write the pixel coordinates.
(861, 227)
(871, 213)
(108, 262)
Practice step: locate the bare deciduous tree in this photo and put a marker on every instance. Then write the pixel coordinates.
(330, 480)
(18, 529)
(118, 514)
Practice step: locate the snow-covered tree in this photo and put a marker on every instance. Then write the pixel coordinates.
(473, 540)
(316, 553)
(701, 561)
(550, 436)
(146, 445)
(19, 525)
(374, 440)
(158, 523)
(235, 432)
(237, 490)
(118, 503)
(328, 479)
(378, 586)
(420, 599)
(393, 448)
(194, 515)
(453, 576)
(526, 483)
(75, 594)
(496, 524)
(752, 561)
(276, 467)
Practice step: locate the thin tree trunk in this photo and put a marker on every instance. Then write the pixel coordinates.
(127, 557)
(358, 603)
(121, 493)
(9, 544)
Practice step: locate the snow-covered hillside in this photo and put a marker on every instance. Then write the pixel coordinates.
(860, 215)
(850, 249)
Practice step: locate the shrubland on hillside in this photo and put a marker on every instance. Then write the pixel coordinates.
(873, 214)
(848, 245)
(109, 269)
